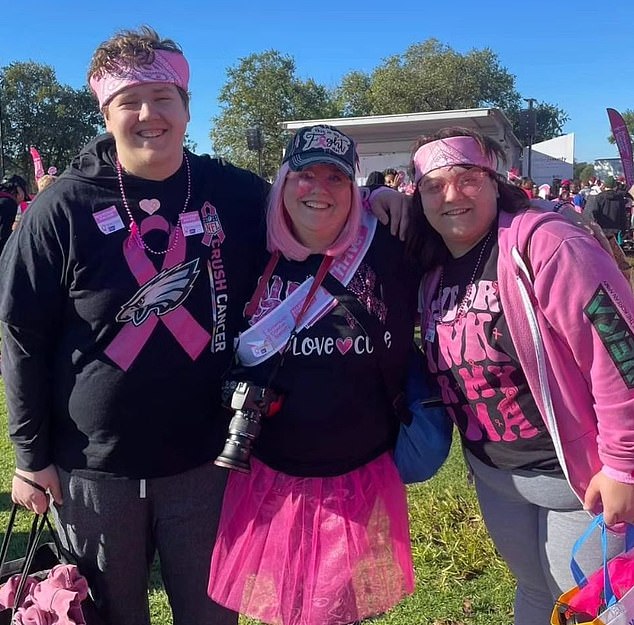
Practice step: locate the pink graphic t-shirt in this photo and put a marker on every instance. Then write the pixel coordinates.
(476, 366)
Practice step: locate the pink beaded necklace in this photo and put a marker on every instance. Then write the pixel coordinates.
(134, 229)
(462, 308)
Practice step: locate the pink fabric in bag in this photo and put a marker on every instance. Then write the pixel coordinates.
(590, 597)
(56, 600)
(10, 587)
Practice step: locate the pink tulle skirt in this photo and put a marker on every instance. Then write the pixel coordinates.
(313, 551)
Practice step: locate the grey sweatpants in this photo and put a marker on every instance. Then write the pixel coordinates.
(534, 520)
(115, 526)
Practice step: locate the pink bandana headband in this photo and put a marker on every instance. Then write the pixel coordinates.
(167, 67)
(450, 152)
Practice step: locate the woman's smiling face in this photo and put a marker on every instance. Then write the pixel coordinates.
(318, 199)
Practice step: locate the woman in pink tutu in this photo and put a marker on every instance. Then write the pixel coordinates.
(314, 527)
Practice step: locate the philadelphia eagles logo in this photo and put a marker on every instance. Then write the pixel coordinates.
(162, 294)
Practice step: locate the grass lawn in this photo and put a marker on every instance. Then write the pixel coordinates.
(459, 578)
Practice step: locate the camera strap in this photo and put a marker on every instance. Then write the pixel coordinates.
(374, 330)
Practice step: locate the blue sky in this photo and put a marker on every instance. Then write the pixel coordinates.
(576, 55)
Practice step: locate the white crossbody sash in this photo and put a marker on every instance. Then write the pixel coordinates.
(271, 333)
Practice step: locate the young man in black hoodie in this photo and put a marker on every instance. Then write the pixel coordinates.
(120, 297)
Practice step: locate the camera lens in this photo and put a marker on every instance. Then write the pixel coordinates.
(243, 430)
(250, 402)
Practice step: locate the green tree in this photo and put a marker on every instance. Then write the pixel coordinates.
(38, 111)
(431, 76)
(579, 168)
(262, 90)
(189, 143)
(353, 96)
(549, 121)
(586, 173)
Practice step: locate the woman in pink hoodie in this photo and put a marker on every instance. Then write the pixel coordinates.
(500, 278)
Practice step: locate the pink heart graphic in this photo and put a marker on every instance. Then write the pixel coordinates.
(344, 345)
(149, 206)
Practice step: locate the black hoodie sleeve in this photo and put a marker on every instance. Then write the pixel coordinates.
(26, 370)
(32, 296)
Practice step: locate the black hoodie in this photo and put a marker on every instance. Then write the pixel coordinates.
(112, 356)
(609, 210)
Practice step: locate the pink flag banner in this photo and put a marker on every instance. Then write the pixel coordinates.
(624, 143)
(37, 163)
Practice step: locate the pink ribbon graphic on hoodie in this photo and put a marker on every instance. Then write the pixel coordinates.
(158, 300)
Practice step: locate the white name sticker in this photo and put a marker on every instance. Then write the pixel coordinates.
(108, 220)
(191, 223)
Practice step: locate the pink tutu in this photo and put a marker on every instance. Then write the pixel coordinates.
(313, 551)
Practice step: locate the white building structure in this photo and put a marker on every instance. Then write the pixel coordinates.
(386, 140)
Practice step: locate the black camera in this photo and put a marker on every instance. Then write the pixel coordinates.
(250, 403)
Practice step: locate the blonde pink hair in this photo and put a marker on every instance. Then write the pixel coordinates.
(279, 228)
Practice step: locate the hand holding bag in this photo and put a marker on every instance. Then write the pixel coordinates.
(607, 596)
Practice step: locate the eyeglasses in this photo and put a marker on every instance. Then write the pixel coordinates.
(332, 177)
(469, 183)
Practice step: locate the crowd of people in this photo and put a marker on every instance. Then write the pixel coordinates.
(205, 366)
(578, 193)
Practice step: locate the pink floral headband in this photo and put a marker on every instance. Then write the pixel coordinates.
(167, 67)
(450, 152)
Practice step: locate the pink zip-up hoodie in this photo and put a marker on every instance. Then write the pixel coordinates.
(585, 312)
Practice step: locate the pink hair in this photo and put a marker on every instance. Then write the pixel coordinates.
(279, 232)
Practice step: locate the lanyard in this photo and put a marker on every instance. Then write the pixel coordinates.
(319, 278)
(252, 306)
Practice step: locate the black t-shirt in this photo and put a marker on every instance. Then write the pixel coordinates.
(337, 412)
(475, 363)
(116, 354)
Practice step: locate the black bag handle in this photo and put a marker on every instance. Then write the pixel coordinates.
(38, 525)
(6, 541)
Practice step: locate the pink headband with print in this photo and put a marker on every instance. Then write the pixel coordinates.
(449, 152)
(167, 67)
